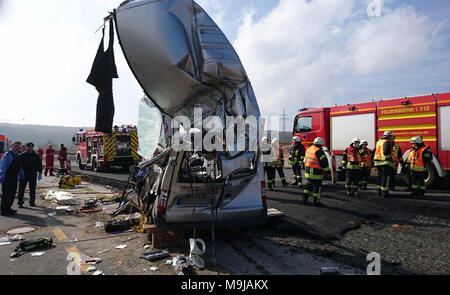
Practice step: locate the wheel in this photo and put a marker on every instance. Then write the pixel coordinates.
(95, 167)
(341, 175)
(432, 177)
(430, 180)
(80, 165)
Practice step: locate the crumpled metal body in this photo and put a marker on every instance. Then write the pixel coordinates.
(183, 61)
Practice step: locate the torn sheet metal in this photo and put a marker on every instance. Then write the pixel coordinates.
(175, 42)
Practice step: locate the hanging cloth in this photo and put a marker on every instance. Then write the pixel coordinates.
(102, 74)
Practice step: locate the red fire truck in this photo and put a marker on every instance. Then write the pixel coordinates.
(4, 145)
(99, 151)
(427, 116)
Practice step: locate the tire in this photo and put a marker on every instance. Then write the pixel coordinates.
(432, 177)
(95, 167)
(80, 165)
(341, 175)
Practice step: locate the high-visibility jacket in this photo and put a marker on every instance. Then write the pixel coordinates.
(366, 157)
(380, 158)
(396, 156)
(311, 159)
(416, 159)
(352, 158)
(297, 154)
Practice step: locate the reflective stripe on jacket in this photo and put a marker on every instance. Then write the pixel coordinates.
(311, 159)
(416, 159)
(380, 158)
(352, 158)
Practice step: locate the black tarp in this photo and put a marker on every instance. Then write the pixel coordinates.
(102, 74)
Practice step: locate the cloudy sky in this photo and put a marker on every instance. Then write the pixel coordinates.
(297, 53)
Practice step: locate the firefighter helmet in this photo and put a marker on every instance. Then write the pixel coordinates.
(265, 139)
(319, 141)
(274, 141)
(297, 139)
(356, 140)
(416, 140)
(364, 142)
(388, 133)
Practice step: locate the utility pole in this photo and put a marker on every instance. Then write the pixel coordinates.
(284, 117)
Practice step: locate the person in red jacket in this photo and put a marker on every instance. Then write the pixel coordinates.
(40, 153)
(49, 159)
(62, 158)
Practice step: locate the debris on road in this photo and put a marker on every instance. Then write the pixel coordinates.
(9, 240)
(121, 247)
(103, 251)
(27, 246)
(91, 269)
(155, 255)
(38, 254)
(51, 214)
(91, 206)
(91, 261)
(154, 268)
(97, 273)
(99, 224)
(60, 198)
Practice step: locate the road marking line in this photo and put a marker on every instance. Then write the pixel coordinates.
(60, 235)
(77, 258)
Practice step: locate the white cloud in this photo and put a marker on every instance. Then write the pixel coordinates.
(306, 53)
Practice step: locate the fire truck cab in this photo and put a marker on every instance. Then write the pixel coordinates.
(100, 151)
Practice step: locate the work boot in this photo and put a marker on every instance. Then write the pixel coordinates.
(294, 183)
(20, 206)
(32, 204)
(317, 203)
(305, 198)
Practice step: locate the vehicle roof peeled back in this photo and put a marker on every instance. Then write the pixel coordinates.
(183, 61)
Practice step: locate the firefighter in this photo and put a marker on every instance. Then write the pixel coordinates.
(384, 163)
(397, 156)
(40, 153)
(279, 163)
(49, 159)
(316, 163)
(10, 169)
(62, 158)
(419, 156)
(351, 162)
(267, 161)
(296, 158)
(366, 163)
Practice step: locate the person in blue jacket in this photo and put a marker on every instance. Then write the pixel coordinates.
(10, 170)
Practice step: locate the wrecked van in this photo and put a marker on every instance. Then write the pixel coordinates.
(184, 63)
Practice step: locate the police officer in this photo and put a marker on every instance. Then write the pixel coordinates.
(366, 163)
(384, 163)
(279, 163)
(296, 158)
(32, 167)
(316, 163)
(267, 158)
(10, 169)
(420, 155)
(351, 162)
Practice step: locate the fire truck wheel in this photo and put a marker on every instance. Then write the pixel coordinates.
(432, 176)
(81, 166)
(95, 167)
